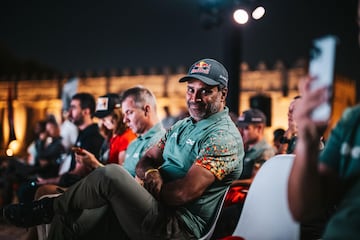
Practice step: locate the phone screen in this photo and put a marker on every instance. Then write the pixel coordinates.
(321, 66)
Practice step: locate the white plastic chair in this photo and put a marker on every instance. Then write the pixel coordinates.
(266, 214)
(209, 234)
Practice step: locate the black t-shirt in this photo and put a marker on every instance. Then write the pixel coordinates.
(89, 139)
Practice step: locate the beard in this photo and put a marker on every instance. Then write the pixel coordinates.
(201, 110)
(78, 121)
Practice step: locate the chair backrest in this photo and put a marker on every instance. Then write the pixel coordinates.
(209, 234)
(266, 213)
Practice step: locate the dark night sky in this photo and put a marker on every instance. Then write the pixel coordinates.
(98, 35)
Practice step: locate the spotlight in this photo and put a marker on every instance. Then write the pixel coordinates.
(258, 12)
(241, 16)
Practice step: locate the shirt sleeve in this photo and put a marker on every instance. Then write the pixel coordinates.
(219, 154)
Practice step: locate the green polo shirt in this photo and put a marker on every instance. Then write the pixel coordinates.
(138, 147)
(213, 143)
(342, 153)
(256, 155)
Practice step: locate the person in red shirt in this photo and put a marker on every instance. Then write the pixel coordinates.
(108, 110)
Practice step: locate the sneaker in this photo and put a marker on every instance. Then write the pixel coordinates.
(29, 214)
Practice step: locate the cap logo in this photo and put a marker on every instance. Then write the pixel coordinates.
(223, 77)
(102, 104)
(201, 67)
(256, 119)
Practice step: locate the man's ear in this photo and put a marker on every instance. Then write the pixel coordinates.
(224, 92)
(86, 111)
(146, 109)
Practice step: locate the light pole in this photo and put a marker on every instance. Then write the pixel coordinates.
(236, 13)
(232, 60)
(238, 16)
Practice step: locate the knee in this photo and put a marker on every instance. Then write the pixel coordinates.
(113, 171)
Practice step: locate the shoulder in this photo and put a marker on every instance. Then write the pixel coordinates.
(351, 114)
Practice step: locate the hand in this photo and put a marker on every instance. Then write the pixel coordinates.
(310, 99)
(41, 181)
(43, 136)
(292, 128)
(138, 180)
(153, 183)
(87, 158)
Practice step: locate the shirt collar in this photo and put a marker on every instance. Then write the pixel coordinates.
(156, 128)
(211, 119)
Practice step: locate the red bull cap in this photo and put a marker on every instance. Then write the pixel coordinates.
(208, 71)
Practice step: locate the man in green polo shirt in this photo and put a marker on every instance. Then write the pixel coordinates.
(184, 176)
(251, 124)
(140, 112)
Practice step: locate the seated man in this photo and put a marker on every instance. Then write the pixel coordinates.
(251, 124)
(184, 176)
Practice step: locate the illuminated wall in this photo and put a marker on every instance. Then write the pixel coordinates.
(35, 99)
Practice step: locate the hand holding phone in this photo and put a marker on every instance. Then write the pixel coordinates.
(77, 150)
(321, 67)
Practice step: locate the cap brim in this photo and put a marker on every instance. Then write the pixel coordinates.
(101, 114)
(202, 78)
(242, 124)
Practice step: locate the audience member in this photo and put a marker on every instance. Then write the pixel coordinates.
(308, 229)
(16, 172)
(104, 149)
(81, 112)
(251, 125)
(180, 192)
(68, 131)
(288, 140)
(139, 108)
(49, 149)
(277, 136)
(320, 181)
(108, 109)
(140, 113)
(31, 150)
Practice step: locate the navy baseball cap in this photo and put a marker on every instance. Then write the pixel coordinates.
(208, 71)
(106, 104)
(251, 116)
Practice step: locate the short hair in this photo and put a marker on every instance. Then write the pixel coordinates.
(86, 101)
(51, 120)
(141, 96)
(278, 133)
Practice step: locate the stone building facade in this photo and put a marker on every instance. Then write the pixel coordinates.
(36, 97)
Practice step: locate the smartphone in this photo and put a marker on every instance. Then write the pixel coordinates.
(321, 66)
